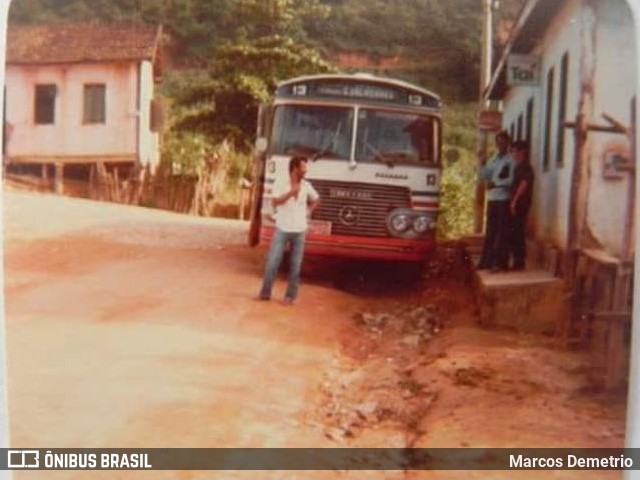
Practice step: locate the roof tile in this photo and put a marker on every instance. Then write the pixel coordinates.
(80, 42)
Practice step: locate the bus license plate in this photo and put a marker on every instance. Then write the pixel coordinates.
(319, 227)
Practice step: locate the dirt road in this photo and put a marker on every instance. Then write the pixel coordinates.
(135, 328)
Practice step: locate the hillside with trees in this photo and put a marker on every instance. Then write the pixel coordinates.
(437, 40)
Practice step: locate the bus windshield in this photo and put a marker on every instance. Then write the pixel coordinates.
(313, 130)
(393, 137)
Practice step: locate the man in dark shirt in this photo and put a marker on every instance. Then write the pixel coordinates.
(521, 198)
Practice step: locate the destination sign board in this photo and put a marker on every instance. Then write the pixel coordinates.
(359, 90)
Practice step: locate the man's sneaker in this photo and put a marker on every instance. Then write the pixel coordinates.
(262, 298)
(289, 301)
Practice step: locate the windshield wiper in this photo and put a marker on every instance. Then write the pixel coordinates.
(329, 146)
(302, 149)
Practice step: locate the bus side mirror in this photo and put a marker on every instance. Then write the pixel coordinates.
(265, 117)
(261, 145)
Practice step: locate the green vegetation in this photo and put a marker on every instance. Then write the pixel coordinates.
(459, 178)
(223, 103)
(195, 25)
(439, 39)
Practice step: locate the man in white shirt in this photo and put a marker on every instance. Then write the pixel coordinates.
(293, 200)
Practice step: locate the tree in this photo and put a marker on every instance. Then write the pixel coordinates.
(255, 19)
(38, 11)
(438, 40)
(242, 76)
(195, 25)
(267, 44)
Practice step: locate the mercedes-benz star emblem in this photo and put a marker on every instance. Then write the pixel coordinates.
(348, 215)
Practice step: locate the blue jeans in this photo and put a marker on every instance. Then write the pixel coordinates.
(278, 244)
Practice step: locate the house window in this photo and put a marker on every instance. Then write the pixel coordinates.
(94, 104)
(562, 108)
(547, 120)
(529, 127)
(45, 107)
(519, 130)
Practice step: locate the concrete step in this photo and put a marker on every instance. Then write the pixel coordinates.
(528, 301)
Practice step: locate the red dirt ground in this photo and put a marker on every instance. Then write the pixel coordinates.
(130, 327)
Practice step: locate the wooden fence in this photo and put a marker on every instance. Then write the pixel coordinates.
(199, 194)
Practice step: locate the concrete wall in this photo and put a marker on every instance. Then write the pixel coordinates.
(615, 84)
(120, 135)
(614, 62)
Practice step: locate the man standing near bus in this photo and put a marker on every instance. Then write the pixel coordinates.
(520, 202)
(498, 175)
(293, 199)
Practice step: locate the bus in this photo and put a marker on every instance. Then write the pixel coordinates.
(374, 149)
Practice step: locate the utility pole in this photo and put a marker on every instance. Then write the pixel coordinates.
(487, 45)
(485, 77)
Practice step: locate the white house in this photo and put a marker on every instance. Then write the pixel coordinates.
(583, 59)
(81, 94)
(567, 83)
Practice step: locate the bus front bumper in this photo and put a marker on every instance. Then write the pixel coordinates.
(372, 248)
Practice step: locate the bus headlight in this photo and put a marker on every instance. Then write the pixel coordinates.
(399, 223)
(422, 224)
(407, 223)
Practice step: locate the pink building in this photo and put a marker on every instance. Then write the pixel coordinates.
(82, 94)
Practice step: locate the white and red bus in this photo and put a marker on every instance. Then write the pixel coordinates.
(374, 146)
